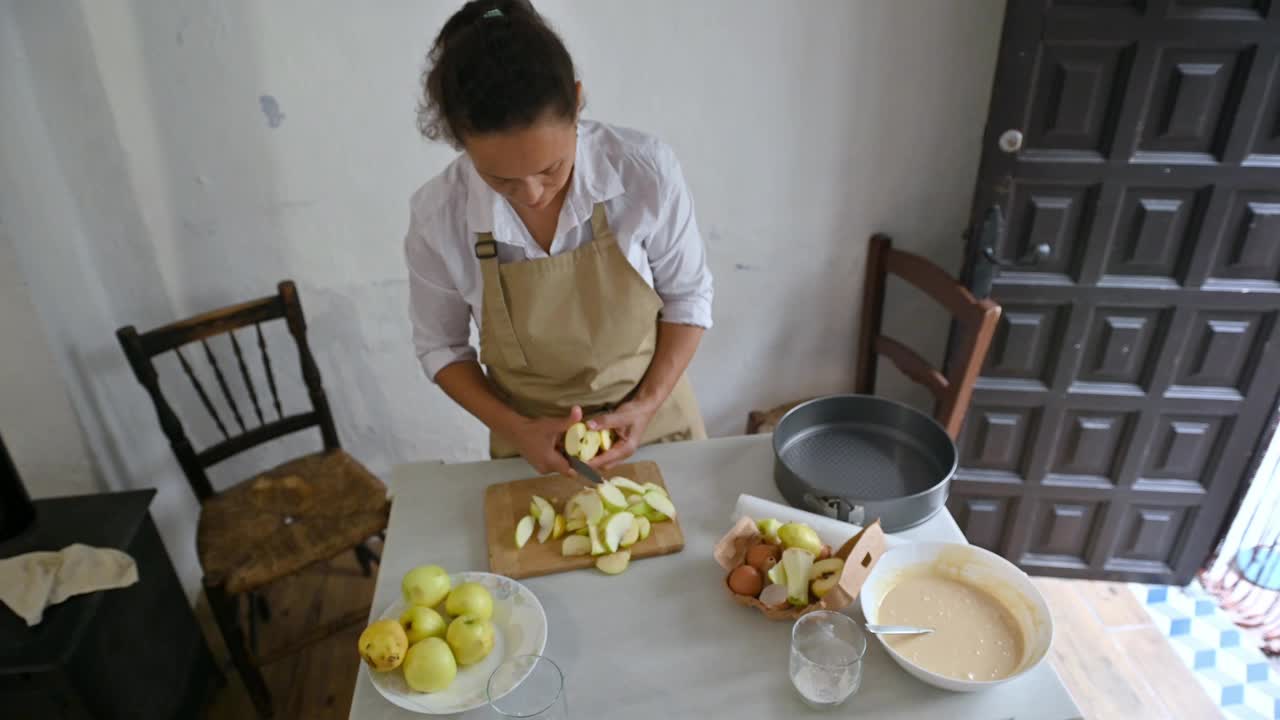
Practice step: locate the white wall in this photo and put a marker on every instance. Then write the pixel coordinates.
(39, 427)
(160, 158)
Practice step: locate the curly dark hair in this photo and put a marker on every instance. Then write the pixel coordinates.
(496, 65)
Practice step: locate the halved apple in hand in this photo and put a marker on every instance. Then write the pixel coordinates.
(585, 444)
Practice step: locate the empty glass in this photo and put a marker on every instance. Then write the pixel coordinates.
(528, 686)
(826, 658)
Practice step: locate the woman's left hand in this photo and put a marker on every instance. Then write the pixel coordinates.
(628, 422)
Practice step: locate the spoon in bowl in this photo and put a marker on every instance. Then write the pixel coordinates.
(898, 630)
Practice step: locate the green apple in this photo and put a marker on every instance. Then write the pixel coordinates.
(639, 509)
(575, 545)
(653, 486)
(429, 665)
(575, 524)
(593, 535)
(425, 585)
(614, 563)
(470, 598)
(798, 564)
(627, 485)
(660, 502)
(470, 638)
(612, 497)
(644, 525)
(420, 623)
(824, 575)
(777, 575)
(769, 528)
(606, 439)
(799, 535)
(592, 508)
(573, 438)
(615, 528)
(590, 446)
(632, 536)
(383, 645)
(524, 529)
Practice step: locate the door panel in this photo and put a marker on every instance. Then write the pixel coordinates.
(1126, 386)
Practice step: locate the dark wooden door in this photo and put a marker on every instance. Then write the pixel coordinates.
(1136, 364)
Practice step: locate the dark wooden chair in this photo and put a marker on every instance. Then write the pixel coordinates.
(975, 323)
(307, 510)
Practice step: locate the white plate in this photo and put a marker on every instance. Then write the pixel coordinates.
(520, 628)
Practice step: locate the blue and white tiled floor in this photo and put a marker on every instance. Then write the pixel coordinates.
(1235, 674)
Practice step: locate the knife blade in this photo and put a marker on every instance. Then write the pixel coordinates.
(585, 470)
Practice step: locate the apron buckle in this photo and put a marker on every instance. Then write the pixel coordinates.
(486, 249)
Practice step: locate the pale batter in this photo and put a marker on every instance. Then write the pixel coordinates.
(974, 638)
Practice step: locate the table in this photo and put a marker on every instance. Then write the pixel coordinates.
(134, 652)
(663, 640)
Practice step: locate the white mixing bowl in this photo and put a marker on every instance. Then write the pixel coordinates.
(977, 567)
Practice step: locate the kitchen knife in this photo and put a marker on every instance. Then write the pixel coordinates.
(585, 470)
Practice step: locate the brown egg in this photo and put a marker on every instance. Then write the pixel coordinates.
(762, 557)
(825, 553)
(746, 580)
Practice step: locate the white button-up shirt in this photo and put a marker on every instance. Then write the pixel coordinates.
(646, 201)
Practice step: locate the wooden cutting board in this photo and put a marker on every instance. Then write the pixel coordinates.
(506, 503)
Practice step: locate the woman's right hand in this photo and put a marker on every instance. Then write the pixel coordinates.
(538, 440)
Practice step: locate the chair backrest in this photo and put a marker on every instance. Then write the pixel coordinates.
(142, 348)
(975, 323)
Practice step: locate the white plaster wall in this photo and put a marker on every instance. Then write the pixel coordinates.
(161, 158)
(39, 427)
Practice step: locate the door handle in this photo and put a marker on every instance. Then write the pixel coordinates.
(1034, 256)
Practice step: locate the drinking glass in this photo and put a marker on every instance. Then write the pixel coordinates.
(528, 686)
(826, 658)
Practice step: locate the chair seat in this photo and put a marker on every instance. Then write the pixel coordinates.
(308, 509)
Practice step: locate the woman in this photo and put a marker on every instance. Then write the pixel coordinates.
(571, 243)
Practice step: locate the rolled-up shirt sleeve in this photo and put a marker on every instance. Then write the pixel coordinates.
(676, 252)
(440, 314)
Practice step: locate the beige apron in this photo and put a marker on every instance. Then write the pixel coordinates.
(578, 328)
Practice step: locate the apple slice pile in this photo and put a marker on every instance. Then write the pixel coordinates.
(789, 566)
(585, 444)
(601, 521)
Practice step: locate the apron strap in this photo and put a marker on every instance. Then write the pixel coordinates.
(495, 304)
(600, 230)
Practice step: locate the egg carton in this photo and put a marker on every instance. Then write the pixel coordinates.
(865, 548)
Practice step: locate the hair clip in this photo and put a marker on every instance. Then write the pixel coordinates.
(494, 13)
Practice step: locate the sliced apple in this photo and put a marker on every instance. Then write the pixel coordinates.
(654, 486)
(614, 563)
(590, 446)
(593, 535)
(627, 485)
(642, 523)
(615, 528)
(546, 513)
(612, 497)
(798, 563)
(632, 535)
(777, 575)
(592, 508)
(573, 438)
(769, 528)
(575, 545)
(824, 575)
(660, 502)
(606, 439)
(524, 530)
(544, 532)
(573, 525)
(557, 529)
(639, 509)
(634, 499)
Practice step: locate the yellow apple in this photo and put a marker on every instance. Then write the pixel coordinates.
(430, 666)
(426, 585)
(383, 645)
(420, 623)
(470, 598)
(470, 638)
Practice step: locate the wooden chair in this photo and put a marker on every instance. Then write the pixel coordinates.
(307, 510)
(975, 322)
